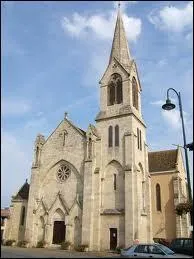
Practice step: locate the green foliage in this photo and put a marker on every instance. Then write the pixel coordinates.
(118, 249)
(65, 245)
(184, 208)
(22, 243)
(41, 244)
(9, 242)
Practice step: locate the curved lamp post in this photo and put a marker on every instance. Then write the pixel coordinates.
(169, 106)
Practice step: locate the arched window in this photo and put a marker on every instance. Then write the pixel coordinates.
(116, 135)
(115, 92)
(37, 155)
(115, 181)
(90, 148)
(119, 90)
(110, 136)
(111, 94)
(135, 93)
(158, 198)
(22, 216)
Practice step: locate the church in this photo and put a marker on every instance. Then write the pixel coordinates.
(102, 187)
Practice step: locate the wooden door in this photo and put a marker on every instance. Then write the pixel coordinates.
(113, 238)
(58, 232)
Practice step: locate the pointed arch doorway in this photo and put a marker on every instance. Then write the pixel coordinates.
(59, 227)
(59, 231)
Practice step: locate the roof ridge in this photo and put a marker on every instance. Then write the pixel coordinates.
(162, 150)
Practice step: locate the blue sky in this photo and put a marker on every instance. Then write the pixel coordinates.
(54, 54)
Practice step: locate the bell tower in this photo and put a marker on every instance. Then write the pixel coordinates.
(125, 183)
(120, 88)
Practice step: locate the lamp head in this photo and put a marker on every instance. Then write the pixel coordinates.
(168, 105)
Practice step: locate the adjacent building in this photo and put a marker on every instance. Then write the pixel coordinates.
(5, 214)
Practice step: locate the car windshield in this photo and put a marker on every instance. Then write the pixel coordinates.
(127, 248)
(166, 249)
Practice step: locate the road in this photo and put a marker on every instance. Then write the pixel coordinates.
(17, 252)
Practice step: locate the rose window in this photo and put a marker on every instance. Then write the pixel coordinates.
(63, 173)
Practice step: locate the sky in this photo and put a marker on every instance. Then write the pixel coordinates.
(54, 55)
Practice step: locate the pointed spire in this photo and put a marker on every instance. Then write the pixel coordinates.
(120, 48)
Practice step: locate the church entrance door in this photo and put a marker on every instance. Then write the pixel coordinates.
(113, 238)
(59, 230)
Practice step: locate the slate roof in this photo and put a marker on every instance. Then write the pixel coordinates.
(23, 192)
(160, 161)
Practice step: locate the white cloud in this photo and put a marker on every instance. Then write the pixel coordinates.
(159, 103)
(172, 118)
(14, 107)
(172, 18)
(102, 26)
(162, 63)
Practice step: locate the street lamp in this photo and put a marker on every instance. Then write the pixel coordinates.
(169, 106)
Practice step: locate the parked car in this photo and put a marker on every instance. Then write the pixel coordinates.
(150, 250)
(182, 246)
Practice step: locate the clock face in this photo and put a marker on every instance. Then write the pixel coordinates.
(63, 173)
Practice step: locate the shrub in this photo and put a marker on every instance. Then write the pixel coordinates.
(41, 244)
(9, 242)
(118, 249)
(81, 248)
(184, 208)
(22, 243)
(65, 245)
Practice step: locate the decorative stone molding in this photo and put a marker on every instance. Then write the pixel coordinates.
(97, 170)
(114, 66)
(112, 211)
(88, 160)
(128, 133)
(127, 168)
(136, 168)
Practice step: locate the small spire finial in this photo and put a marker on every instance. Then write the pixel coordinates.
(65, 115)
(119, 4)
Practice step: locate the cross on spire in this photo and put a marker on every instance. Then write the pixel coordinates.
(65, 115)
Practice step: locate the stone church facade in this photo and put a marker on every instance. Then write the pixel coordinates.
(93, 187)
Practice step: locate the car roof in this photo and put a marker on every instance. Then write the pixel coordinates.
(147, 244)
(182, 238)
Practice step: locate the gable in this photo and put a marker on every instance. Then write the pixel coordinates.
(114, 67)
(23, 192)
(65, 138)
(64, 125)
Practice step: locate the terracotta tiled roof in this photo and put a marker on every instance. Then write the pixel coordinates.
(160, 161)
(23, 192)
(5, 213)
